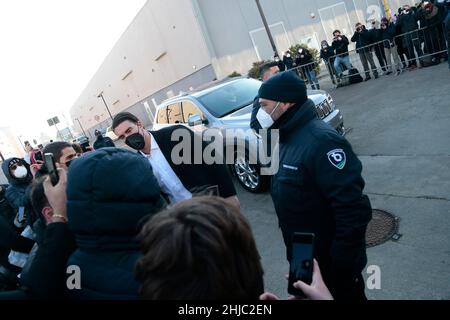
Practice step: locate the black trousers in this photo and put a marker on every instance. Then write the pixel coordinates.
(381, 57)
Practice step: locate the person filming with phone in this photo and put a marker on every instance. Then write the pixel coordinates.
(318, 189)
(203, 249)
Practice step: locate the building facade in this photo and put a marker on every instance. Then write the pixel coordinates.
(10, 146)
(178, 45)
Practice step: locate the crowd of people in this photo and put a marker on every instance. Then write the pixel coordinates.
(414, 34)
(118, 224)
(111, 223)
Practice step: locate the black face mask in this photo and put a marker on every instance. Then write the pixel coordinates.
(135, 141)
(68, 163)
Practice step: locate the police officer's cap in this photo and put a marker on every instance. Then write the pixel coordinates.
(284, 87)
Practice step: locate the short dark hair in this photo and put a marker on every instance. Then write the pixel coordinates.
(266, 67)
(123, 116)
(56, 149)
(201, 248)
(37, 198)
(336, 31)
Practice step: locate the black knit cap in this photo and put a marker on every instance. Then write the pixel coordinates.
(284, 87)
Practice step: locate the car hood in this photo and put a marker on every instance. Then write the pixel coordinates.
(241, 118)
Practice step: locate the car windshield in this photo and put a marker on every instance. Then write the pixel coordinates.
(230, 97)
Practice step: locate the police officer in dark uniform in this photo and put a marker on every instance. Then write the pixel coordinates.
(318, 187)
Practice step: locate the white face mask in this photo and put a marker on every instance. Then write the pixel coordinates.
(288, 55)
(264, 118)
(21, 172)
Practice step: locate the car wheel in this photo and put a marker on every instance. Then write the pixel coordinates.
(248, 175)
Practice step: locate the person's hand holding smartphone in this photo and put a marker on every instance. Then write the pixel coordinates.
(51, 168)
(316, 291)
(56, 194)
(302, 261)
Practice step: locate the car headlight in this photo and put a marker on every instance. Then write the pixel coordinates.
(330, 101)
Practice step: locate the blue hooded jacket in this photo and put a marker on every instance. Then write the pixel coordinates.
(109, 192)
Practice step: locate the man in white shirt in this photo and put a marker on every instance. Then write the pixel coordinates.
(176, 181)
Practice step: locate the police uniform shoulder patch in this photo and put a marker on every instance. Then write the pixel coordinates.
(337, 158)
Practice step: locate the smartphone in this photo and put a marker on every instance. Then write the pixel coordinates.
(51, 167)
(302, 261)
(38, 156)
(21, 214)
(85, 146)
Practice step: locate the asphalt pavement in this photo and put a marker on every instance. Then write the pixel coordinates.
(400, 129)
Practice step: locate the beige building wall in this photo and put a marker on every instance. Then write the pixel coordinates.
(161, 46)
(9, 144)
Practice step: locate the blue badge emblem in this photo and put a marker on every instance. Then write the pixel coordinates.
(337, 158)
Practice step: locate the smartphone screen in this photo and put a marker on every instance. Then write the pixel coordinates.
(51, 167)
(302, 261)
(21, 214)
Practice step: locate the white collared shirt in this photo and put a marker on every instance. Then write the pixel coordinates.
(168, 181)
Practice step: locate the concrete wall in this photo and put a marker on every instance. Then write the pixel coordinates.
(235, 36)
(161, 46)
(178, 44)
(146, 108)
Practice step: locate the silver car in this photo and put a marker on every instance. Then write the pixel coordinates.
(228, 105)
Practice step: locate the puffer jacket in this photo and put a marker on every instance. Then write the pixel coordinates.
(17, 192)
(109, 193)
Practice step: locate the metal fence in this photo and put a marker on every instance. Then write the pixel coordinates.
(418, 48)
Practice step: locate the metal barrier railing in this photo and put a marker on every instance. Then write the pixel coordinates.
(421, 45)
(307, 73)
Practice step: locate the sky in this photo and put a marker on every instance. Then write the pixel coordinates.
(50, 49)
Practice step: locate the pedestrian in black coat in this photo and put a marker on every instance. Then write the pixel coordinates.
(363, 41)
(288, 60)
(432, 19)
(378, 47)
(102, 142)
(327, 54)
(407, 21)
(318, 187)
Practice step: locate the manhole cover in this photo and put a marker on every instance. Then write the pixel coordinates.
(381, 228)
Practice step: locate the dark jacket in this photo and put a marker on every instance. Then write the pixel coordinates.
(44, 275)
(319, 189)
(109, 193)
(407, 22)
(103, 142)
(194, 176)
(305, 59)
(17, 194)
(341, 46)
(376, 35)
(363, 39)
(327, 53)
(281, 65)
(387, 35)
(288, 62)
(434, 28)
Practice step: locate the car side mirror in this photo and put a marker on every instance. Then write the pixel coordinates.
(195, 120)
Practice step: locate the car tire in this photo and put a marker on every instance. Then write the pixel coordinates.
(248, 175)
